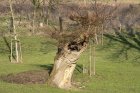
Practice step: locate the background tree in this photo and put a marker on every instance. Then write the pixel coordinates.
(14, 39)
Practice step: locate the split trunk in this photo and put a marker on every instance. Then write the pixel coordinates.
(65, 63)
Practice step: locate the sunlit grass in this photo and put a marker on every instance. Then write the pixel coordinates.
(113, 75)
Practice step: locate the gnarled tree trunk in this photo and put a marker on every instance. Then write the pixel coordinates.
(65, 63)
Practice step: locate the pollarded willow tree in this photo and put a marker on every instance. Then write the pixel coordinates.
(65, 60)
(73, 44)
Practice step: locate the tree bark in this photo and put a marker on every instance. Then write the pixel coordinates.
(33, 21)
(90, 60)
(14, 31)
(65, 63)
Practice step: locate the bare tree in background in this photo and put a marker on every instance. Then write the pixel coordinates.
(15, 40)
(35, 4)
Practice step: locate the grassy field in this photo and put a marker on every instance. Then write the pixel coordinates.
(113, 74)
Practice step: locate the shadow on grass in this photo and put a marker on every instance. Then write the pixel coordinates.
(129, 41)
(132, 42)
(6, 46)
(49, 68)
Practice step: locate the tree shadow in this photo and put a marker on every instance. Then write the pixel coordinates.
(130, 38)
(49, 68)
(79, 68)
(126, 38)
(5, 45)
(7, 49)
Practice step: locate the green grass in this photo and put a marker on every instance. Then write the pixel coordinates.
(113, 74)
